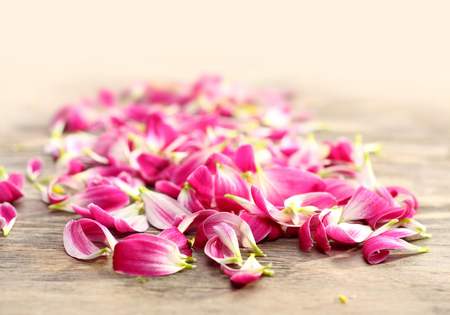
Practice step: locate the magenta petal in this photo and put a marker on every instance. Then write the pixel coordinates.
(174, 235)
(320, 200)
(8, 216)
(148, 256)
(346, 233)
(228, 181)
(244, 158)
(320, 235)
(78, 236)
(341, 189)
(375, 249)
(9, 192)
(150, 166)
(188, 199)
(161, 210)
(218, 251)
(168, 188)
(245, 278)
(395, 190)
(34, 168)
(217, 158)
(192, 221)
(202, 182)
(304, 233)
(16, 179)
(63, 181)
(123, 220)
(363, 205)
(258, 224)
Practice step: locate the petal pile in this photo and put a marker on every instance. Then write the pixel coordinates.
(234, 165)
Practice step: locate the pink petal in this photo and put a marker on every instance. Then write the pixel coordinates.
(64, 181)
(396, 190)
(34, 168)
(78, 236)
(168, 188)
(363, 205)
(218, 251)
(174, 235)
(8, 216)
(376, 249)
(350, 234)
(9, 192)
(149, 257)
(188, 199)
(321, 200)
(249, 272)
(161, 210)
(150, 166)
(244, 158)
(16, 179)
(341, 189)
(192, 221)
(259, 225)
(228, 181)
(217, 158)
(202, 182)
(304, 233)
(123, 220)
(105, 196)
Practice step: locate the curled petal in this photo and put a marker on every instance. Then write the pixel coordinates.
(124, 220)
(79, 235)
(8, 216)
(304, 233)
(150, 166)
(174, 235)
(9, 192)
(249, 272)
(218, 251)
(341, 189)
(161, 210)
(395, 190)
(34, 168)
(148, 256)
(259, 225)
(188, 199)
(56, 189)
(192, 221)
(376, 249)
(320, 200)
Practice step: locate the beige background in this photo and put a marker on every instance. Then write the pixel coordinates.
(54, 51)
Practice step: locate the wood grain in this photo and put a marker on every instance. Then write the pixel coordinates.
(37, 277)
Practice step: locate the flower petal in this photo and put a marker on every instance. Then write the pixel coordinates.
(218, 251)
(244, 158)
(228, 181)
(376, 249)
(192, 221)
(320, 200)
(202, 182)
(78, 236)
(123, 220)
(149, 257)
(9, 192)
(8, 216)
(161, 210)
(363, 205)
(249, 272)
(34, 168)
(350, 234)
(168, 188)
(259, 225)
(174, 235)
(188, 199)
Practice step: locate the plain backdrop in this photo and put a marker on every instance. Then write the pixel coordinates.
(52, 52)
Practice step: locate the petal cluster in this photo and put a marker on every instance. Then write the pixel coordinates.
(236, 166)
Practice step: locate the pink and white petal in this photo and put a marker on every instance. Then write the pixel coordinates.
(202, 182)
(192, 221)
(149, 257)
(43, 192)
(64, 181)
(219, 252)
(174, 235)
(17, 180)
(227, 235)
(364, 204)
(396, 190)
(228, 181)
(244, 158)
(258, 224)
(215, 159)
(320, 236)
(376, 249)
(78, 237)
(249, 272)
(161, 210)
(320, 200)
(188, 199)
(248, 206)
(34, 168)
(350, 234)
(9, 215)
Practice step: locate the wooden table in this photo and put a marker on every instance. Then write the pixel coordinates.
(37, 276)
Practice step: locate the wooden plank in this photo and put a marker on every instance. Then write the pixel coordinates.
(37, 277)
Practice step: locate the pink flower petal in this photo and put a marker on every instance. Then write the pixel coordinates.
(8, 216)
(376, 249)
(150, 166)
(341, 189)
(192, 221)
(304, 233)
(174, 235)
(244, 158)
(34, 168)
(9, 192)
(188, 199)
(53, 189)
(363, 205)
(161, 210)
(350, 234)
(168, 188)
(16, 179)
(149, 257)
(202, 182)
(320, 200)
(396, 190)
(219, 252)
(79, 235)
(249, 272)
(259, 225)
(124, 220)
(228, 181)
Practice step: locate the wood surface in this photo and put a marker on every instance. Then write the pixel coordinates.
(38, 277)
